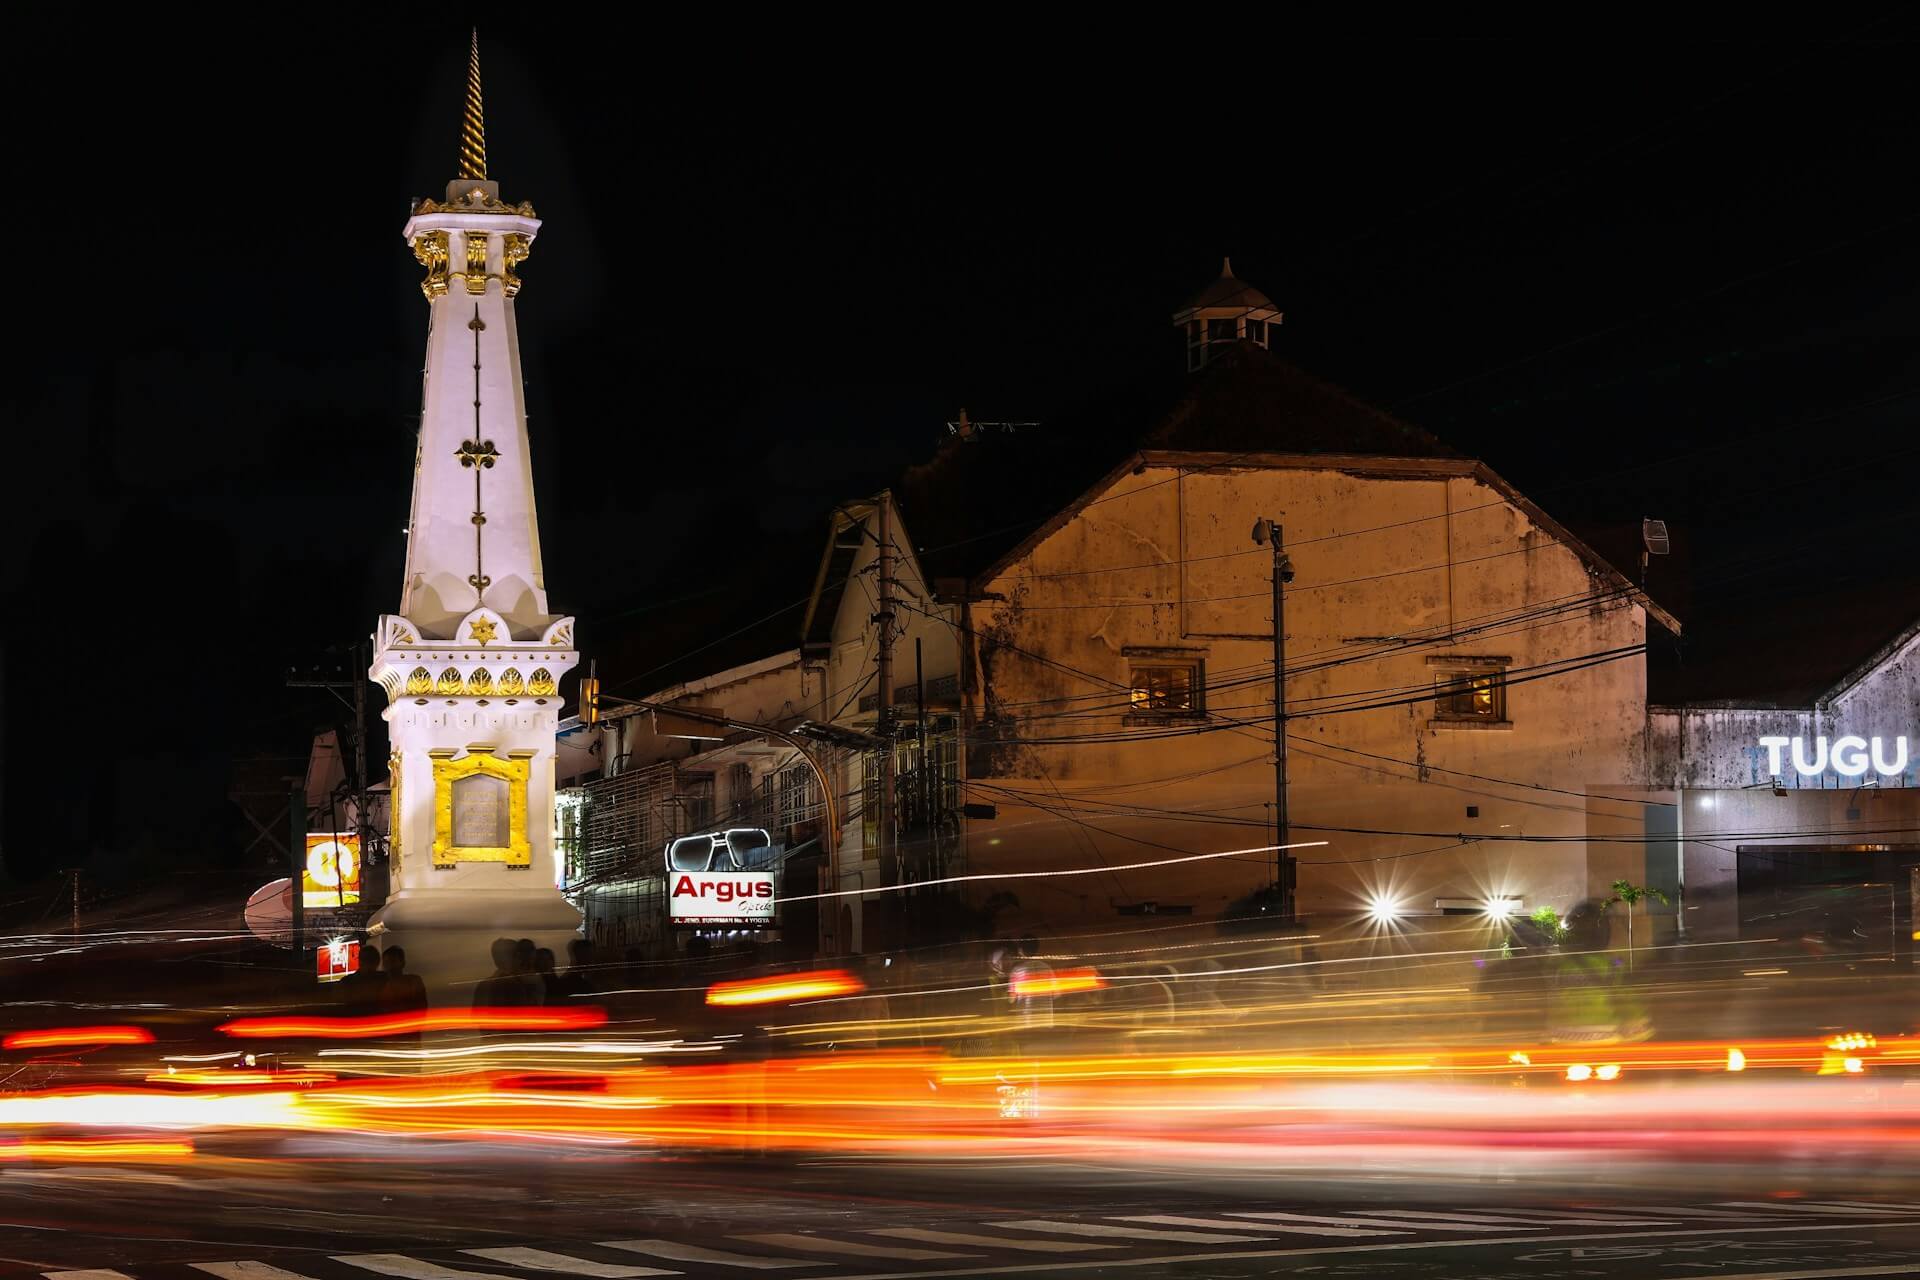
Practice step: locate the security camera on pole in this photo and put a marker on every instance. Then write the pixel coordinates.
(1268, 532)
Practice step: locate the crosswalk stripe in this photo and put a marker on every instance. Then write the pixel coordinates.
(399, 1264)
(675, 1251)
(1418, 1217)
(1125, 1233)
(246, 1270)
(1176, 1220)
(987, 1242)
(1645, 1215)
(1794, 1206)
(820, 1244)
(1388, 1226)
(1869, 1204)
(544, 1260)
(1530, 1223)
(1554, 1217)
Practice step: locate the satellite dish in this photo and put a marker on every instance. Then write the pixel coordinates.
(269, 913)
(1653, 536)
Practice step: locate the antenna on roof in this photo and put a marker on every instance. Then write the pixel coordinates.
(968, 429)
(1653, 542)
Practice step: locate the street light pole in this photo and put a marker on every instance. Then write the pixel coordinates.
(890, 873)
(1270, 532)
(296, 865)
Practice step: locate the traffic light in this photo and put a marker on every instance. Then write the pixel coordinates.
(590, 697)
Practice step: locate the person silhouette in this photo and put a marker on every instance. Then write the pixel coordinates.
(577, 981)
(504, 989)
(525, 955)
(404, 992)
(551, 992)
(360, 990)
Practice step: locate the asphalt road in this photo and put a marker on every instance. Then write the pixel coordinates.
(355, 1209)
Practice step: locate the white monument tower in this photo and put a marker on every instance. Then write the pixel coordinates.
(472, 661)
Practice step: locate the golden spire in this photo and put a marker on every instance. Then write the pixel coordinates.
(473, 126)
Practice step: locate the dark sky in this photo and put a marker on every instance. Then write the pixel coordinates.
(1670, 277)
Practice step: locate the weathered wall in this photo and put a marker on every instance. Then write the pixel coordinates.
(1720, 746)
(1713, 757)
(1164, 559)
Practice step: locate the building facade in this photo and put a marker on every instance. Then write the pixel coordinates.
(690, 759)
(1465, 693)
(885, 650)
(1776, 800)
(1079, 728)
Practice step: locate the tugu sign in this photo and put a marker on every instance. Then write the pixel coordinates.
(1849, 756)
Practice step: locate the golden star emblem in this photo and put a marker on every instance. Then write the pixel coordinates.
(481, 629)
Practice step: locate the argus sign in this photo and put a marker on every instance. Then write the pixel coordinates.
(720, 897)
(1849, 756)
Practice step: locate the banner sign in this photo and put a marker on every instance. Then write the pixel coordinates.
(720, 897)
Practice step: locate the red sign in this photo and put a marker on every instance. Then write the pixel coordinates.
(336, 960)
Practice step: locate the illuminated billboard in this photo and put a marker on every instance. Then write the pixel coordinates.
(331, 877)
(722, 877)
(720, 897)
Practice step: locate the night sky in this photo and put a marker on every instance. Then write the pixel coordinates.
(1671, 278)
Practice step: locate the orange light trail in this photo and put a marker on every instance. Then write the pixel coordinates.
(108, 1149)
(58, 1037)
(399, 1024)
(792, 986)
(926, 1100)
(1065, 982)
(239, 1079)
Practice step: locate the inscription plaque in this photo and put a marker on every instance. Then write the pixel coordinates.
(479, 812)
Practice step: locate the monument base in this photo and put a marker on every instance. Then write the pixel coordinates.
(448, 936)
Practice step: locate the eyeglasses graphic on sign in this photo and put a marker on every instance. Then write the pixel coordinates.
(332, 874)
(722, 877)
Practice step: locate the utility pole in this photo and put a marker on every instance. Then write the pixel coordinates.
(362, 826)
(354, 679)
(925, 799)
(883, 726)
(297, 865)
(1269, 532)
(73, 874)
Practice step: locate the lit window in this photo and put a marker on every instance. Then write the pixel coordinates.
(1479, 695)
(1166, 689)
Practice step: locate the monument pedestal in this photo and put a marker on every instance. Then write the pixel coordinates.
(448, 936)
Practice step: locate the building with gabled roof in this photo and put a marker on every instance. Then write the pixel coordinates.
(1465, 690)
(1466, 684)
